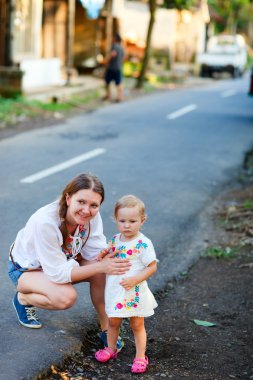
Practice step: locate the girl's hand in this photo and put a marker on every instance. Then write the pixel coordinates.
(112, 265)
(129, 282)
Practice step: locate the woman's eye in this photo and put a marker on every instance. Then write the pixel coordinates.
(82, 202)
(94, 206)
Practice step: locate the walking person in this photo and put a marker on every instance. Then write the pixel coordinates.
(113, 71)
(128, 295)
(57, 248)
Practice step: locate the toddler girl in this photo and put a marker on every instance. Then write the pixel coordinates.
(128, 296)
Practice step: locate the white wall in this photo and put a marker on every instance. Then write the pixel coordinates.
(40, 73)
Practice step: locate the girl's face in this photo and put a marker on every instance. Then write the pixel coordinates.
(82, 207)
(129, 222)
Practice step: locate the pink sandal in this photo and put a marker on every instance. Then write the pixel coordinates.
(105, 354)
(139, 365)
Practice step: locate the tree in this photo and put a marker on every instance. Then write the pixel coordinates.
(170, 4)
(152, 9)
(234, 14)
(178, 4)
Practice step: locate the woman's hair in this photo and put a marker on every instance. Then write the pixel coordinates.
(130, 201)
(84, 181)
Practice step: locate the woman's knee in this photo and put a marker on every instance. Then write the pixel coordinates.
(65, 298)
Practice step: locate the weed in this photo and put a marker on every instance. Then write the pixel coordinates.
(12, 110)
(248, 204)
(219, 252)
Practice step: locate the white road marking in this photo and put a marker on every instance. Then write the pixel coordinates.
(64, 165)
(227, 93)
(181, 111)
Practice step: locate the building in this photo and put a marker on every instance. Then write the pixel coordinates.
(42, 41)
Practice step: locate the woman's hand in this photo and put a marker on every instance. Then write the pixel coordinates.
(102, 254)
(112, 265)
(129, 282)
(105, 252)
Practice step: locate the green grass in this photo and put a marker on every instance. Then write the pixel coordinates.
(218, 252)
(248, 204)
(12, 110)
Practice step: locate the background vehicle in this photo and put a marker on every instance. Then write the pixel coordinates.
(225, 53)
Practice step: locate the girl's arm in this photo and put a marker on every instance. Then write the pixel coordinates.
(129, 282)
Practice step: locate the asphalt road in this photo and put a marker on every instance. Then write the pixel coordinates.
(174, 149)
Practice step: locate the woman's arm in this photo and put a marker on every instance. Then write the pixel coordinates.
(108, 265)
(129, 282)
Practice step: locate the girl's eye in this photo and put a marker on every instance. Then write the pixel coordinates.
(82, 202)
(94, 206)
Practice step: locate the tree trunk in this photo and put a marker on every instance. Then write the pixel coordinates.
(70, 38)
(109, 27)
(140, 79)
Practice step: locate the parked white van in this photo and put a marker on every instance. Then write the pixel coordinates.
(225, 53)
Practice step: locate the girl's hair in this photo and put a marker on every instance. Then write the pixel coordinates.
(84, 181)
(130, 201)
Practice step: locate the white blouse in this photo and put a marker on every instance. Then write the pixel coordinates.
(39, 243)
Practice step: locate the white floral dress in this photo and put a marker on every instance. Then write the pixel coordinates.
(139, 301)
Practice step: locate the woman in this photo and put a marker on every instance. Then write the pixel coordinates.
(57, 248)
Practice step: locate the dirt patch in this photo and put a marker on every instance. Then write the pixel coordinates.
(214, 290)
(27, 125)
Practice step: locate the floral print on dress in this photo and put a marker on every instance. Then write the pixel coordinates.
(121, 251)
(78, 236)
(131, 302)
(139, 300)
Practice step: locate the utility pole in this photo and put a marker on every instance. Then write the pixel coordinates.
(70, 37)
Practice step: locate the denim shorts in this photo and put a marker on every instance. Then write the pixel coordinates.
(113, 75)
(14, 273)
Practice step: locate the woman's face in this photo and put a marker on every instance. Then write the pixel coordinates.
(82, 207)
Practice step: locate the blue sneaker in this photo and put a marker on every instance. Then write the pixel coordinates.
(26, 314)
(120, 342)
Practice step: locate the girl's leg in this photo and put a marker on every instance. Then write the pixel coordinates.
(36, 289)
(140, 336)
(113, 332)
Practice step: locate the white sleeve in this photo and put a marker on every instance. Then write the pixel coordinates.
(48, 248)
(148, 253)
(96, 241)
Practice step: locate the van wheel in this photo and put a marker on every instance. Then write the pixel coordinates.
(204, 71)
(235, 73)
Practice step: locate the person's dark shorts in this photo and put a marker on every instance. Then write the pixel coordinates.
(14, 273)
(113, 76)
